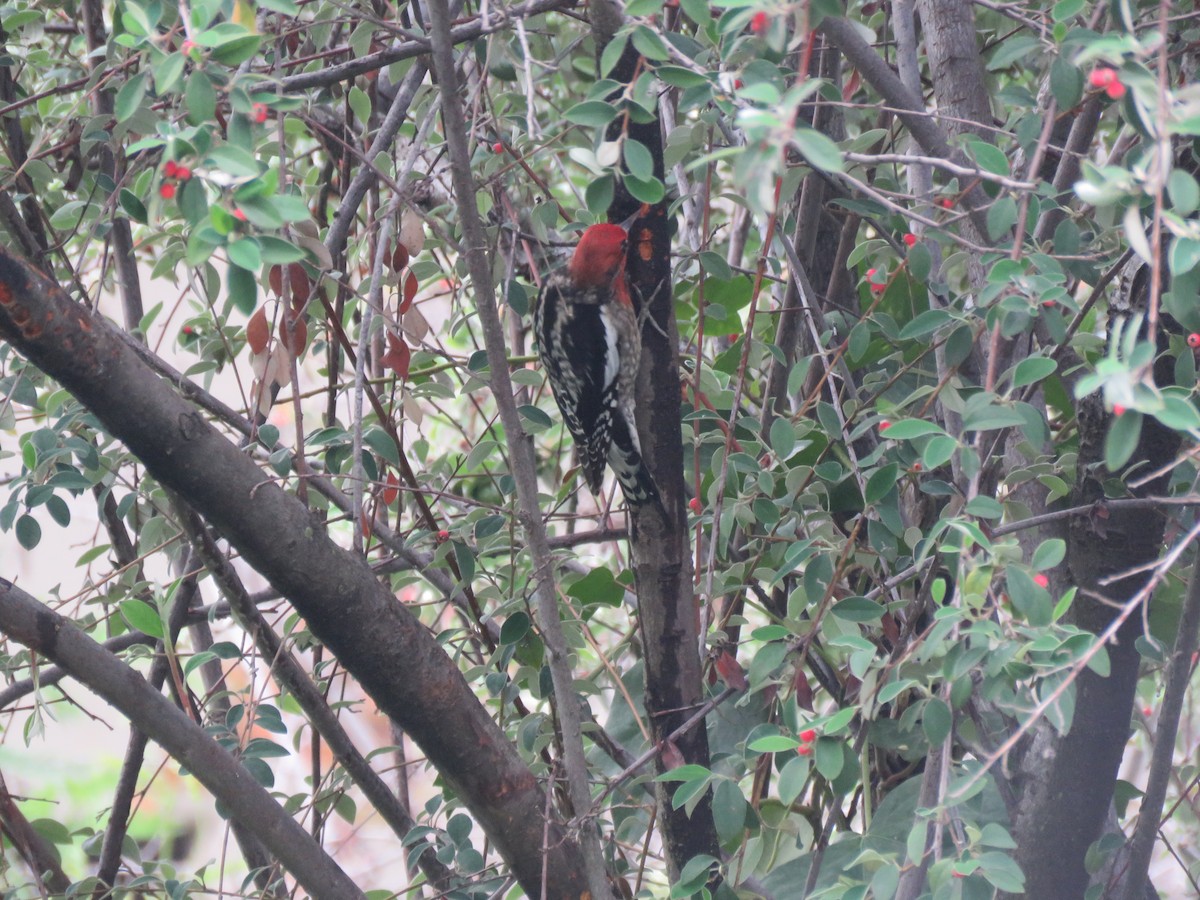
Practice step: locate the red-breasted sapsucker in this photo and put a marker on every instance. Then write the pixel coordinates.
(589, 341)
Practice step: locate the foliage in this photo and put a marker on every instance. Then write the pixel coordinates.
(911, 380)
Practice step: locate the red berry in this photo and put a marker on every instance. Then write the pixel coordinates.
(259, 111)
(760, 22)
(695, 505)
(166, 190)
(1102, 77)
(808, 735)
(171, 169)
(239, 215)
(497, 147)
(1115, 91)
(947, 203)
(183, 173)
(916, 467)
(1041, 580)
(443, 536)
(1193, 340)
(878, 287)
(870, 273)
(804, 749)
(885, 425)
(910, 240)
(1047, 303)
(1147, 710)
(187, 47)
(1118, 409)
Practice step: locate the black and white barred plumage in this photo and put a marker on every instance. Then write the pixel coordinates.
(589, 343)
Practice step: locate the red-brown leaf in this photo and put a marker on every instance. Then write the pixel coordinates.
(803, 690)
(399, 258)
(258, 332)
(299, 283)
(410, 291)
(731, 671)
(398, 355)
(298, 339)
(391, 490)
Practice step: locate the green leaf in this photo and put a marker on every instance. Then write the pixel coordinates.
(829, 757)
(599, 194)
(141, 616)
(920, 262)
(1185, 255)
(783, 438)
(133, 206)
(649, 191)
(638, 161)
(244, 252)
(242, 289)
(1001, 217)
(193, 201)
(130, 96)
(515, 627)
(936, 720)
(907, 429)
(818, 150)
(200, 98)
(1032, 370)
(984, 507)
(1049, 554)
(233, 161)
(925, 323)
(597, 587)
(591, 113)
(1122, 439)
(1066, 82)
(857, 609)
(168, 73)
(678, 76)
(237, 50)
(773, 743)
(29, 532)
(1184, 191)
(989, 157)
(881, 482)
(360, 104)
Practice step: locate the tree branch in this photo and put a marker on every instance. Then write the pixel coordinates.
(44, 631)
(378, 640)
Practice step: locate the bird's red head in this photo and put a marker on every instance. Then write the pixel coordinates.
(599, 259)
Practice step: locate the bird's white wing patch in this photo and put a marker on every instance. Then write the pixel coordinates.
(612, 358)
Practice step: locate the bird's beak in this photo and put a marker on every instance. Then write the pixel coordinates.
(628, 223)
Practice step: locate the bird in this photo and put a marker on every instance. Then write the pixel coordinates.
(589, 343)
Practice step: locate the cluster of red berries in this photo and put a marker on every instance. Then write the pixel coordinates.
(807, 736)
(1109, 81)
(173, 172)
